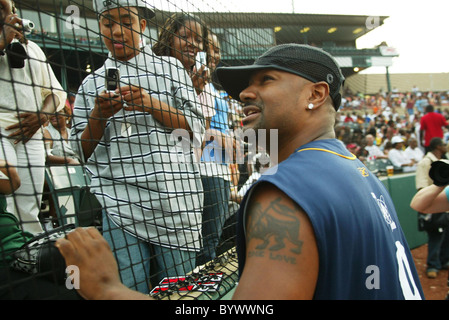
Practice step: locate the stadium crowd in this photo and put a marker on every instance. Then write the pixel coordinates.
(385, 116)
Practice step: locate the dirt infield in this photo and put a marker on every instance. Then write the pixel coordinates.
(434, 289)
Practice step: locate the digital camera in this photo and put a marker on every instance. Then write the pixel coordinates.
(27, 25)
(439, 172)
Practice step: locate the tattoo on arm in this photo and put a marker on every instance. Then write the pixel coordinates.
(278, 223)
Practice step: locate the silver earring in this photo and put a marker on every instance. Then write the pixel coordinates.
(310, 106)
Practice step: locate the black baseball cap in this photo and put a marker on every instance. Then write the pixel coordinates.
(308, 62)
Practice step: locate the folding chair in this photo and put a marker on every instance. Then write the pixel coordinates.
(69, 189)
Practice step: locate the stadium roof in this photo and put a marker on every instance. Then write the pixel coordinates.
(336, 34)
(290, 27)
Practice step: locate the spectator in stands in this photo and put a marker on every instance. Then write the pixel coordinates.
(374, 151)
(398, 156)
(438, 238)
(353, 148)
(183, 36)
(56, 138)
(415, 129)
(348, 118)
(215, 161)
(69, 105)
(59, 151)
(413, 151)
(379, 121)
(410, 105)
(387, 148)
(29, 93)
(432, 124)
(415, 90)
(293, 243)
(388, 132)
(421, 103)
(152, 200)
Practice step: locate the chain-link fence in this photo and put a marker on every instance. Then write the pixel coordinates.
(112, 117)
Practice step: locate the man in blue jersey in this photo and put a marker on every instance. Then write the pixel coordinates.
(318, 225)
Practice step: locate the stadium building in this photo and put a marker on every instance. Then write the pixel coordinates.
(68, 33)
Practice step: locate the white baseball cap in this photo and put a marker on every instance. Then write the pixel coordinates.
(103, 5)
(396, 139)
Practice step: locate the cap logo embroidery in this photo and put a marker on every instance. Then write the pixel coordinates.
(107, 3)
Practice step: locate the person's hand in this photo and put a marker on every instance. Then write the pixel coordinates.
(200, 78)
(29, 123)
(136, 99)
(106, 105)
(71, 161)
(10, 30)
(86, 249)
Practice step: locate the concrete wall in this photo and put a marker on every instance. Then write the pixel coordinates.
(402, 189)
(373, 83)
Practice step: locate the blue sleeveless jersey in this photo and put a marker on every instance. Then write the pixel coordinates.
(363, 252)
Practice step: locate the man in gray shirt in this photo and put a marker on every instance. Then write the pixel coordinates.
(137, 146)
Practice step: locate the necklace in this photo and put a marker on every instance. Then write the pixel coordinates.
(352, 157)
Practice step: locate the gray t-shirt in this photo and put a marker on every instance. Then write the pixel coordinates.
(145, 177)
